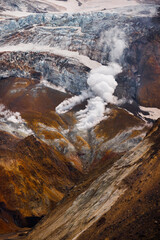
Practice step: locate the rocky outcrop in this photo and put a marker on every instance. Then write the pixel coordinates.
(144, 70)
(34, 176)
(135, 215)
(61, 71)
(117, 204)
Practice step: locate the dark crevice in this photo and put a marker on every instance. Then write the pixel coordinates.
(17, 217)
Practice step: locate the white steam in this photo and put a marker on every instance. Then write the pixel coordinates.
(101, 82)
(68, 104)
(113, 41)
(92, 114)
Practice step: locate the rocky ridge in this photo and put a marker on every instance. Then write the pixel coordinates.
(97, 206)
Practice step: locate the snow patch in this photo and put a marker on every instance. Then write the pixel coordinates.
(51, 85)
(10, 116)
(13, 122)
(16, 13)
(153, 113)
(90, 5)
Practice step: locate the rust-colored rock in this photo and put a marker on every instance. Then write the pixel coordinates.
(147, 65)
(122, 203)
(34, 176)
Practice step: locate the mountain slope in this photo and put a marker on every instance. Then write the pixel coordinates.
(40, 160)
(72, 128)
(117, 204)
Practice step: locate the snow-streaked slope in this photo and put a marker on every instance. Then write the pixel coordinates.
(97, 200)
(40, 48)
(13, 123)
(63, 6)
